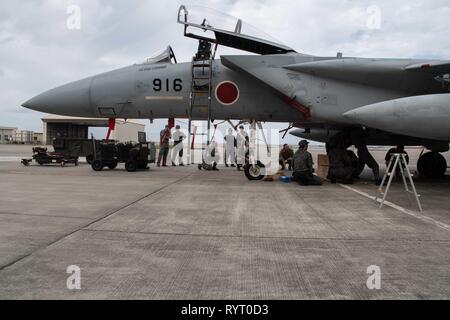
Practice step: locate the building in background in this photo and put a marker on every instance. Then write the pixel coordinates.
(7, 134)
(73, 127)
(38, 138)
(24, 137)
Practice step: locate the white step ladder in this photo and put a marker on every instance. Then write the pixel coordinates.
(398, 160)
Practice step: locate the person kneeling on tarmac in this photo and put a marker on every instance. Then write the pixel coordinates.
(303, 166)
(210, 158)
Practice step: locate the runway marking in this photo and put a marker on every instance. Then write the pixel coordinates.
(401, 209)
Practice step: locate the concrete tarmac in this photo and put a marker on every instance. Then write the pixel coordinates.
(180, 233)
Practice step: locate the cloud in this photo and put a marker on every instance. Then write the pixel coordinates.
(38, 51)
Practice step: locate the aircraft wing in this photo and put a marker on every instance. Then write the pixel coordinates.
(269, 71)
(417, 76)
(434, 67)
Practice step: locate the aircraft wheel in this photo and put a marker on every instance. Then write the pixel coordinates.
(432, 165)
(131, 166)
(256, 172)
(97, 165)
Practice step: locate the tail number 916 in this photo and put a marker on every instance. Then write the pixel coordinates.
(167, 85)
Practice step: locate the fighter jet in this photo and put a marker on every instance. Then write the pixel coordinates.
(375, 101)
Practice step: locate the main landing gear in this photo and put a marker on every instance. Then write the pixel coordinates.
(432, 165)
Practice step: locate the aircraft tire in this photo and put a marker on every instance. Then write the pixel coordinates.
(256, 172)
(432, 165)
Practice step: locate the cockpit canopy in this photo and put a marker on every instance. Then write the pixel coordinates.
(214, 26)
(162, 56)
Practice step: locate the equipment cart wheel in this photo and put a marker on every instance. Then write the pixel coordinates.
(97, 165)
(255, 172)
(113, 165)
(131, 166)
(90, 159)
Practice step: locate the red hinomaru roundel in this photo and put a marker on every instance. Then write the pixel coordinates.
(227, 93)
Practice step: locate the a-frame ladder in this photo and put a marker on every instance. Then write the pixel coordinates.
(398, 160)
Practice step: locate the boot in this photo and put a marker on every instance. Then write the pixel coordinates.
(376, 175)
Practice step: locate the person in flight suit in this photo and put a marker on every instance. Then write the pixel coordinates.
(230, 148)
(178, 137)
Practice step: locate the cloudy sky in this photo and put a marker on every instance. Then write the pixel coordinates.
(38, 51)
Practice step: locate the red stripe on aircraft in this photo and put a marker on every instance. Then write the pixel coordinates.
(298, 106)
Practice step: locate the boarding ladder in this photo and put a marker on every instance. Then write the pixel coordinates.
(200, 97)
(398, 160)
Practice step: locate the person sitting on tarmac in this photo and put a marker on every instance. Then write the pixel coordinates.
(286, 155)
(399, 149)
(210, 158)
(303, 166)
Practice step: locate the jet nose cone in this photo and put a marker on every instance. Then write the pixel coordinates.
(72, 99)
(28, 104)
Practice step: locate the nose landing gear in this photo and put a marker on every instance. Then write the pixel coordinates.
(255, 172)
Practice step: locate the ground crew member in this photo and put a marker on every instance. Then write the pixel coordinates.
(399, 149)
(340, 165)
(365, 158)
(242, 146)
(230, 148)
(286, 156)
(303, 166)
(210, 158)
(165, 137)
(178, 138)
